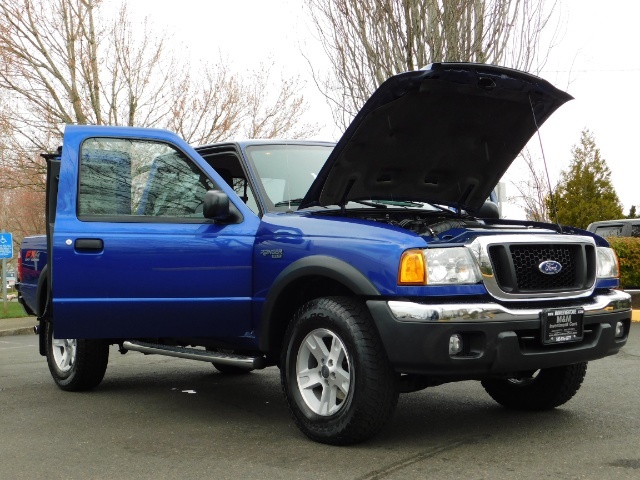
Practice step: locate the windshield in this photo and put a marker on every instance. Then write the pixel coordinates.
(286, 171)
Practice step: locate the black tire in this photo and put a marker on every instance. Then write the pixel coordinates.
(84, 366)
(355, 409)
(549, 389)
(231, 369)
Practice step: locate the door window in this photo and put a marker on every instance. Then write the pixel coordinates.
(137, 179)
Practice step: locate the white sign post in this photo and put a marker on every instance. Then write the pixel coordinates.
(6, 252)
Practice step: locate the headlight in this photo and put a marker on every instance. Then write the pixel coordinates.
(438, 266)
(607, 263)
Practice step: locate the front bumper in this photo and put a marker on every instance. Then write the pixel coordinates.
(498, 340)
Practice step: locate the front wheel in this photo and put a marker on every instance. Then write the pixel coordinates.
(335, 375)
(76, 364)
(542, 390)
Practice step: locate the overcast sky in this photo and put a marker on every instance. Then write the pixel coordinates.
(593, 62)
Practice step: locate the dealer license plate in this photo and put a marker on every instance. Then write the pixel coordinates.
(562, 325)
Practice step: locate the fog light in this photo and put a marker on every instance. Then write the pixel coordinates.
(619, 330)
(455, 344)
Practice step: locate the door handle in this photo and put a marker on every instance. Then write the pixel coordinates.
(89, 245)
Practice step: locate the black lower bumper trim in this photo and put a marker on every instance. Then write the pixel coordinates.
(490, 348)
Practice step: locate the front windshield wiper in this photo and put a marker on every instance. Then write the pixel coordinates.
(392, 203)
(360, 202)
(403, 203)
(369, 204)
(286, 203)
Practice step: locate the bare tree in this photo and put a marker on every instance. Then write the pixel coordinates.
(209, 107)
(64, 62)
(25, 212)
(217, 104)
(276, 116)
(533, 192)
(367, 41)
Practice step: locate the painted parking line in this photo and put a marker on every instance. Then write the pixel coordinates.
(7, 344)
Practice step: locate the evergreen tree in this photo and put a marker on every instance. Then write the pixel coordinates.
(585, 193)
(632, 212)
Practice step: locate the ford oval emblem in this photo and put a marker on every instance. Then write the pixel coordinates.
(550, 267)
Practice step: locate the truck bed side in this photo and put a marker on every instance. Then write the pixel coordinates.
(33, 258)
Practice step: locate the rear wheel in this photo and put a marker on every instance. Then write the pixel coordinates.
(542, 390)
(76, 364)
(336, 378)
(228, 369)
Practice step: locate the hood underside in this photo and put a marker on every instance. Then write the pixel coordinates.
(444, 135)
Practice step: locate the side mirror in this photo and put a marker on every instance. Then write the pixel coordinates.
(216, 205)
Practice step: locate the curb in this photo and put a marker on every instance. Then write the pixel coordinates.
(17, 331)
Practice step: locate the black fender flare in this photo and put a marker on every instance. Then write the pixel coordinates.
(316, 265)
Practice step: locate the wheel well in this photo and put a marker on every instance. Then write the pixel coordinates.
(293, 296)
(43, 299)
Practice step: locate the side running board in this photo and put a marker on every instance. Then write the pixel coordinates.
(197, 354)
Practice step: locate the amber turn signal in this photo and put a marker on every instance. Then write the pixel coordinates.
(412, 268)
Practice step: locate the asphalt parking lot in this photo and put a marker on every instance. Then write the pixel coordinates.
(156, 417)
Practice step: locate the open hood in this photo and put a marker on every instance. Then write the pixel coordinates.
(444, 135)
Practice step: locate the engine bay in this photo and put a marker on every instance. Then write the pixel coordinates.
(429, 224)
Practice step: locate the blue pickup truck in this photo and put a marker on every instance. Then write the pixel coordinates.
(362, 269)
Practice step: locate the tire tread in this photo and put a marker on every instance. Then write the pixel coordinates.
(92, 357)
(377, 403)
(553, 387)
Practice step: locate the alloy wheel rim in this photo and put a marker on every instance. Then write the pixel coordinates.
(324, 372)
(64, 353)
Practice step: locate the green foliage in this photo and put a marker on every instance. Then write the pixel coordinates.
(632, 212)
(14, 309)
(628, 251)
(585, 193)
